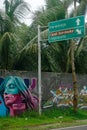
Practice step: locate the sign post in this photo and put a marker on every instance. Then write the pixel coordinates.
(66, 29)
(39, 69)
(39, 66)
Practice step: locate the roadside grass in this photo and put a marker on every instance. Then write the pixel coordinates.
(50, 118)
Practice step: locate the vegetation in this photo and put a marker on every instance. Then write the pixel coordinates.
(18, 42)
(9, 41)
(50, 118)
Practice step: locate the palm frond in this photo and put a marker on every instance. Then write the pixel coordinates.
(82, 8)
(22, 10)
(80, 46)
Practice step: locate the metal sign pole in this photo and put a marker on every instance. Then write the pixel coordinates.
(39, 69)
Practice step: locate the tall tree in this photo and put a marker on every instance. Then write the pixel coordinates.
(15, 10)
(42, 18)
(50, 52)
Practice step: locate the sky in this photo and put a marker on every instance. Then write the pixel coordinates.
(34, 5)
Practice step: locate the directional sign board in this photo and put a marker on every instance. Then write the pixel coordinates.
(66, 29)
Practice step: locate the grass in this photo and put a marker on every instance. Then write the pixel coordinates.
(50, 118)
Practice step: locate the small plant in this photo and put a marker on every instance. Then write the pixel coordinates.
(49, 116)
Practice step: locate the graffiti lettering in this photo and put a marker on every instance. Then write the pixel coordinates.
(63, 96)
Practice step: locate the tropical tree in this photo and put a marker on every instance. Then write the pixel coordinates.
(54, 10)
(15, 10)
(43, 17)
(55, 57)
(7, 45)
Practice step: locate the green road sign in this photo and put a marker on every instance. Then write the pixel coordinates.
(66, 29)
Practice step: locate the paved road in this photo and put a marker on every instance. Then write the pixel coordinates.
(73, 128)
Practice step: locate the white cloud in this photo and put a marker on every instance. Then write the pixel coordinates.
(34, 4)
(1, 4)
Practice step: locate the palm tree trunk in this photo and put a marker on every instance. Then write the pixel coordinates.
(75, 96)
(75, 90)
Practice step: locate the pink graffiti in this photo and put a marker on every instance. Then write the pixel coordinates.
(14, 103)
(33, 84)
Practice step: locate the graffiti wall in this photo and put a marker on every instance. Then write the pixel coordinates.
(16, 95)
(63, 97)
(56, 90)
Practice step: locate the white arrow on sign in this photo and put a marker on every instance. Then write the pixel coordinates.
(78, 31)
(78, 21)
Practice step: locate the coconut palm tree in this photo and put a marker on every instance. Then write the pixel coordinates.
(15, 10)
(49, 51)
(54, 10)
(43, 17)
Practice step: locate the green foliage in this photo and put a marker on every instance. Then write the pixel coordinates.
(10, 43)
(54, 57)
(52, 12)
(16, 9)
(6, 40)
(53, 116)
(23, 34)
(64, 113)
(81, 55)
(82, 8)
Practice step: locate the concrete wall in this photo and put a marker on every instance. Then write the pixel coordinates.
(50, 81)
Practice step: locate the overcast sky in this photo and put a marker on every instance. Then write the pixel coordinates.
(34, 5)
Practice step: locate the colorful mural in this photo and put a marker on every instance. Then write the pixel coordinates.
(63, 97)
(16, 96)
